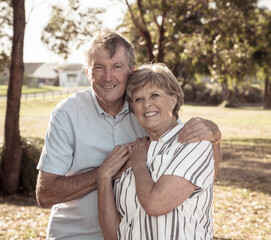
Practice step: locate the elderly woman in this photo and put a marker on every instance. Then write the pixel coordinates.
(167, 192)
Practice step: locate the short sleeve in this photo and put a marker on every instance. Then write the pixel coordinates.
(194, 162)
(58, 150)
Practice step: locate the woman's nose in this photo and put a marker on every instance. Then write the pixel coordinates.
(148, 103)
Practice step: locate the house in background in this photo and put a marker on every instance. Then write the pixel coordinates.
(37, 74)
(72, 75)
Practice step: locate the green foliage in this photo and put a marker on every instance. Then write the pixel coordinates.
(28, 174)
(212, 94)
(6, 16)
(70, 27)
(31, 152)
(219, 38)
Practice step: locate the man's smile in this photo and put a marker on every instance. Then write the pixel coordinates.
(109, 87)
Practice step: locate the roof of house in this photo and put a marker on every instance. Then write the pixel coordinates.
(40, 70)
(30, 68)
(73, 67)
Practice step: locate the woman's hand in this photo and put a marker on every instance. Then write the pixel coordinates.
(109, 217)
(138, 151)
(114, 162)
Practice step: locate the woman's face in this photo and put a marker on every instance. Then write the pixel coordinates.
(153, 109)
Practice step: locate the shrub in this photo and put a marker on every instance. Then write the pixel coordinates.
(28, 173)
(212, 93)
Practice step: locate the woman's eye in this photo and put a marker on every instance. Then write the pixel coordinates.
(155, 95)
(138, 99)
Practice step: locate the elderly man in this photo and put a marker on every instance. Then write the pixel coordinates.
(83, 130)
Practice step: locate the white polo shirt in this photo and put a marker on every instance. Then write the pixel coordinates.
(79, 137)
(192, 219)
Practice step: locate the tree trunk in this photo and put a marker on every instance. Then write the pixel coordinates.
(12, 153)
(267, 93)
(228, 97)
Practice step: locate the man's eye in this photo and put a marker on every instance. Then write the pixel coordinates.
(155, 95)
(97, 67)
(117, 66)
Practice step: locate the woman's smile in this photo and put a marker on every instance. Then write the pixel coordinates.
(154, 109)
(150, 114)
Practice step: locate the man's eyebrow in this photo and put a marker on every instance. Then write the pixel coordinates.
(97, 63)
(119, 62)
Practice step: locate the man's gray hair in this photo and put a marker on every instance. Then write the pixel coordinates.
(109, 40)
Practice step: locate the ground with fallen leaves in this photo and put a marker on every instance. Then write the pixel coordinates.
(242, 202)
(242, 194)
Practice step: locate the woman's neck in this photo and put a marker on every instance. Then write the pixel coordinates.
(156, 134)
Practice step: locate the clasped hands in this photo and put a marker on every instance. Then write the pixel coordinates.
(135, 154)
(122, 157)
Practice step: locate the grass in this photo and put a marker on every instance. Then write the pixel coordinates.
(28, 90)
(242, 199)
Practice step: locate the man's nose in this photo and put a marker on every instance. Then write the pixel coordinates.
(108, 75)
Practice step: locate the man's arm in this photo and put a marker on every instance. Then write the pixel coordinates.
(198, 129)
(52, 188)
(217, 155)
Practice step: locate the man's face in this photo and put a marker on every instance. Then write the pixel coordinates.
(109, 76)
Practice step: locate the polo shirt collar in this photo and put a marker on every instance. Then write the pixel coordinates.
(124, 111)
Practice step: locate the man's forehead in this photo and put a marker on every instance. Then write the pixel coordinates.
(102, 54)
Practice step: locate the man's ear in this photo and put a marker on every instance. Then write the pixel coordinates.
(174, 100)
(87, 73)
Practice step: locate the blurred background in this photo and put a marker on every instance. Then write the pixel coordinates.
(219, 50)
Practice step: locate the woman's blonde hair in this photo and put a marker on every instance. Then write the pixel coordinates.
(159, 74)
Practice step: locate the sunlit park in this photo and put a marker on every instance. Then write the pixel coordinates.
(220, 52)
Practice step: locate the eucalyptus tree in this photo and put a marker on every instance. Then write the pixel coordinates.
(70, 26)
(195, 37)
(262, 53)
(13, 150)
(163, 30)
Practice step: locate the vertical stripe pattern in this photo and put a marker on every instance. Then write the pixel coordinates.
(192, 219)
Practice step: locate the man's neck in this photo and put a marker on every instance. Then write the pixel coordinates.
(111, 108)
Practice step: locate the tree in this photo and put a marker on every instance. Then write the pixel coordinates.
(205, 37)
(13, 149)
(162, 30)
(262, 53)
(230, 52)
(70, 27)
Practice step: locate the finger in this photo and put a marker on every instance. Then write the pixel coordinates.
(130, 147)
(117, 153)
(144, 141)
(194, 128)
(138, 140)
(191, 133)
(123, 168)
(195, 138)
